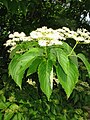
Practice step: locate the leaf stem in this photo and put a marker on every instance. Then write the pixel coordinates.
(73, 48)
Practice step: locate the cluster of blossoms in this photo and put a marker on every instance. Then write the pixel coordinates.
(16, 38)
(49, 37)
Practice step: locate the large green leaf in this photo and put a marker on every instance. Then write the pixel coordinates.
(45, 73)
(62, 59)
(68, 80)
(19, 64)
(87, 64)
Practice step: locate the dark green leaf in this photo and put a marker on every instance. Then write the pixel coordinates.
(1, 116)
(5, 2)
(87, 64)
(23, 7)
(13, 6)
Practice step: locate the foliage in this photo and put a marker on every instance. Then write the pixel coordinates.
(25, 105)
(50, 53)
(34, 14)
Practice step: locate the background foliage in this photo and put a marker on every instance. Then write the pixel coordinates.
(21, 15)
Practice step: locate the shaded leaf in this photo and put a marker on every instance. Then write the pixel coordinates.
(33, 67)
(87, 64)
(1, 116)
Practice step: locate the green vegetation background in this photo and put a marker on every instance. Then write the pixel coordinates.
(30, 103)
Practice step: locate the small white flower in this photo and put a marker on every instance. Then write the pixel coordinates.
(36, 35)
(61, 30)
(66, 29)
(79, 31)
(11, 36)
(79, 39)
(22, 34)
(85, 35)
(13, 43)
(15, 39)
(55, 42)
(42, 42)
(16, 34)
(86, 41)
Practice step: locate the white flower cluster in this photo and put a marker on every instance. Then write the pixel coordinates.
(81, 35)
(16, 38)
(48, 37)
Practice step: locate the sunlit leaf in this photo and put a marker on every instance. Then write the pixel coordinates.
(68, 80)
(44, 71)
(8, 115)
(62, 59)
(19, 64)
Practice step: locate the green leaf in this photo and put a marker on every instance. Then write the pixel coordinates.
(8, 115)
(2, 105)
(68, 80)
(14, 107)
(52, 55)
(62, 59)
(23, 7)
(19, 64)
(33, 67)
(13, 52)
(19, 116)
(67, 49)
(44, 72)
(15, 117)
(13, 6)
(87, 64)
(5, 2)
(1, 116)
